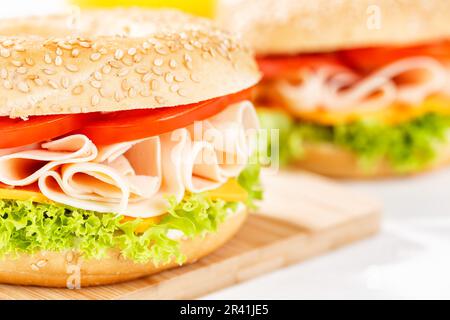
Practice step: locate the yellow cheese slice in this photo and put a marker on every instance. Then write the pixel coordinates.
(23, 193)
(390, 115)
(145, 224)
(231, 191)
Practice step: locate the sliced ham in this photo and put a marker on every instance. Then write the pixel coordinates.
(26, 166)
(136, 178)
(408, 81)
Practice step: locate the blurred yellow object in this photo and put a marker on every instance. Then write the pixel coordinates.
(230, 191)
(393, 114)
(205, 8)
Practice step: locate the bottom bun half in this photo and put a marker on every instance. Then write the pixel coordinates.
(333, 161)
(68, 269)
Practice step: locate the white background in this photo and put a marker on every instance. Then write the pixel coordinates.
(410, 258)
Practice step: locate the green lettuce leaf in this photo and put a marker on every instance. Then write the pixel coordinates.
(289, 144)
(29, 227)
(407, 146)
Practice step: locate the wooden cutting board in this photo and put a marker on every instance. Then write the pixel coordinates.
(302, 216)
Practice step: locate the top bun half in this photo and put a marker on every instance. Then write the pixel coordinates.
(274, 27)
(117, 60)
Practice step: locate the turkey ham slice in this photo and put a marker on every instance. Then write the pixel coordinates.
(136, 178)
(409, 81)
(26, 165)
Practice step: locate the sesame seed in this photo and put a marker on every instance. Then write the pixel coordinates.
(157, 71)
(41, 263)
(141, 70)
(38, 82)
(29, 61)
(188, 47)
(158, 62)
(146, 45)
(169, 77)
(19, 48)
(59, 52)
(174, 88)
(125, 85)
(5, 53)
(182, 93)
(114, 64)
(118, 95)
(65, 82)
(197, 44)
(95, 56)
(159, 99)
(52, 84)
(34, 267)
(161, 51)
(155, 84)
(179, 78)
(77, 90)
(21, 70)
(147, 77)
(95, 100)
(106, 69)
(132, 92)
(17, 63)
(137, 58)
(7, 84)
(47, 58)
(127, 61)
(75, 53)
(85, 44)
(123, 72)
(194, 78)
(64, 45)
(4, 73)
(23, 87)
(96, 84)
(173, 64)
(97, 75)
(103, 92)
(71, 67)
(48, 71)
(118, 54)
(187, 58)
(58, 61)
(132, 51)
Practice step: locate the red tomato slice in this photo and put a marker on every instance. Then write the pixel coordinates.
(137, 124)
(276, 66)
(369, 59)
(18, 132)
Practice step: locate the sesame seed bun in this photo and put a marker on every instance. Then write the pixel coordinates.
(302, 26)
(117, 60)
(345, 165)
(52, 269)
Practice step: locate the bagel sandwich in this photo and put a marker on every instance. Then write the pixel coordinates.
(126, 147)
(358, 89)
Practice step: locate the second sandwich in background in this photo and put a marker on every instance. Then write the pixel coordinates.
(357, 88)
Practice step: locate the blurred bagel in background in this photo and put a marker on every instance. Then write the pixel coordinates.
(370, 79)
